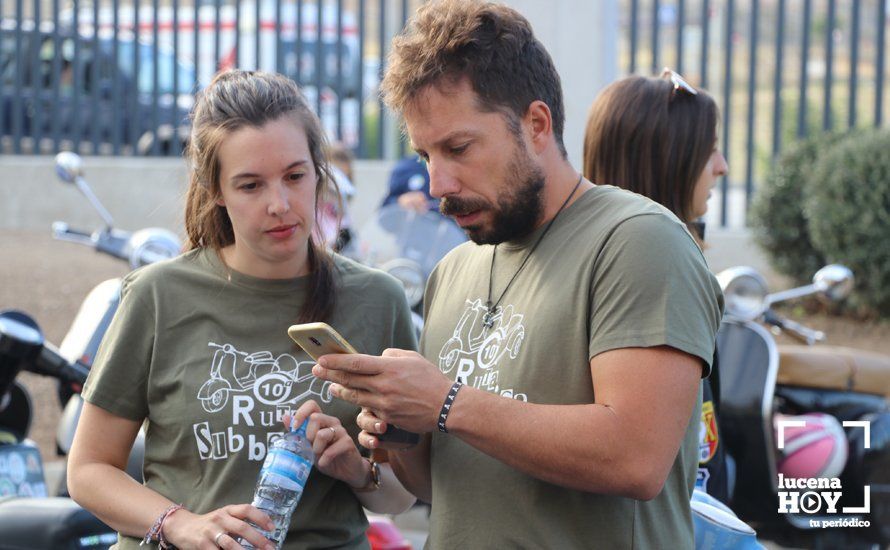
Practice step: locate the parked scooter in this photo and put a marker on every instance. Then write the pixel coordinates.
(29, 519)
(81, 343)
(761, 382)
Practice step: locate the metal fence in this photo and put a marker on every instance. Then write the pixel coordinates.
(780, 69)
(118, 77)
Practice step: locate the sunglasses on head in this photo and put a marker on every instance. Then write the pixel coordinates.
(679, 82)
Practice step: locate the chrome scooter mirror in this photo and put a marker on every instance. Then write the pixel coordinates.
(69, 168)
(834, 281)
(744, 292)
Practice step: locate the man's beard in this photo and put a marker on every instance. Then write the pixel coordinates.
(519, 204)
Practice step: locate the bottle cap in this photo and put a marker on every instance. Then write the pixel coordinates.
(301, 429)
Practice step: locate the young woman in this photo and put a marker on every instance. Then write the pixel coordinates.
(198, 351)
(656, 137)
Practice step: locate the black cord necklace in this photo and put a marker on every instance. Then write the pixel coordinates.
(488, 318)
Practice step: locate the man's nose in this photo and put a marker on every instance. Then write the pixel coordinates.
(443, 182)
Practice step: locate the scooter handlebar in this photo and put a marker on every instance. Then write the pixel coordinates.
(796, 330)
(51, 363)
(63, 232)
(113, 242)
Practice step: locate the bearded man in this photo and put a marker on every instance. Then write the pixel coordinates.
(558, 390)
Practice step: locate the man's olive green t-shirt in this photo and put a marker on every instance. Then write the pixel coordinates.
(201, 353)
(615, 270)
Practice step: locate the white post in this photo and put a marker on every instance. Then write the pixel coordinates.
(391, 124)
(582, 38)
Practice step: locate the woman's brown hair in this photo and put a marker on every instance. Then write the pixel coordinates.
(234, 100)
(645, 135)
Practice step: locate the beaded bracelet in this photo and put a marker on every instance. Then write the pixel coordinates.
(156, 531)
(163, 543)
(446, 407)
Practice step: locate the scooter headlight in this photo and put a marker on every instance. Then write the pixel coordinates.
(744, 293)
(151, 245)
(409, 273)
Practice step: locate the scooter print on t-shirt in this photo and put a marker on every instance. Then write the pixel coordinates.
(260, 387)
(475, 352)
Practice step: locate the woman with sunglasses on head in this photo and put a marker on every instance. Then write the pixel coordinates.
(658, 137)
(198, 350)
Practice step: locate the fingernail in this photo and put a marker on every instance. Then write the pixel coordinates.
(317, 370)
(378, 426)
(372, 444)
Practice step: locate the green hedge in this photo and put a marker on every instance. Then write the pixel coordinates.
(848, 209)
(827, 200)
(777, 216)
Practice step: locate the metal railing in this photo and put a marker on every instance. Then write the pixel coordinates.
(118, 77)
(780, 69)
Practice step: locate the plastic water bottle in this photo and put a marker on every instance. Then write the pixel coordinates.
(282, 480)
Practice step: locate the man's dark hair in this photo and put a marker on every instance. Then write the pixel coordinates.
(489, 44)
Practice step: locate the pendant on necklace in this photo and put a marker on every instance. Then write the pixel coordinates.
(488, 318)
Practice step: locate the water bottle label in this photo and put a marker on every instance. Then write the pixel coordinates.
(288, 465)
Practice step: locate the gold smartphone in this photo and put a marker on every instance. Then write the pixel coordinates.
(319, 339)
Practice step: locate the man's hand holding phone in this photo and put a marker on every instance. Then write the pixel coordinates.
(401, 387)
(320, 340)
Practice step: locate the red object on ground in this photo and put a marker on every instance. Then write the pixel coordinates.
(384, 535)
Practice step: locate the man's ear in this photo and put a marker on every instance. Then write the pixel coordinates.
(539, 122)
